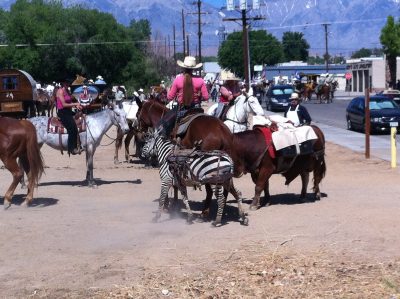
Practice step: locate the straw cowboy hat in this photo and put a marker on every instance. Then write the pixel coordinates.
(189, 63)
(227, 75)
(294, 96)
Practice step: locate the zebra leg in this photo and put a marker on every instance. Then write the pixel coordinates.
(165, 185)
(219, 194)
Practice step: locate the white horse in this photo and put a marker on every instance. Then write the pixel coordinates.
(97, 125)
(237, 117)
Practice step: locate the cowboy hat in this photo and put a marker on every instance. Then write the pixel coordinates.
(227, 75)
(140, 90)
(91, 81)
(99, 78)
(189, 63)
(294, 96)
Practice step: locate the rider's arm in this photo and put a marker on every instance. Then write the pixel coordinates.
(225, 93)
(173, 91)
(204, 92)
(306, 115)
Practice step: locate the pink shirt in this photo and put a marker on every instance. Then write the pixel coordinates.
(67, 99)
(226, 94)
(199, 88)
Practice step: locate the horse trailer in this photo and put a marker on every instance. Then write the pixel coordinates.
(17, 93)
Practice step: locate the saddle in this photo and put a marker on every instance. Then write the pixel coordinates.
(55, 126)
(187, 119)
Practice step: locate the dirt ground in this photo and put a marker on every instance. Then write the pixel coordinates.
(77, 242)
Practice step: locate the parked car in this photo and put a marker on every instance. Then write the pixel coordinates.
(383, 111)
(277, 97)
(393, 94)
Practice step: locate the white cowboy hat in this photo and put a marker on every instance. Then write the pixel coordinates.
(91, 81)
(294, 96)
(227, 75)
(189, 63)
(140, 90)
(99, 78)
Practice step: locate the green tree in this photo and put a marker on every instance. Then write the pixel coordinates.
(363, 52)
(390, 40)
(295, 47)
(264, 48)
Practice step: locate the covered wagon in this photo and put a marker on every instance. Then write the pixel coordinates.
(17, 93)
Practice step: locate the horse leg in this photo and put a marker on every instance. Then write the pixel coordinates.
(89, 166)
(207, 202)
(263, 176)
(17, 174)
(26, 167)
(305, 177)
(128, 139)
(238, 196)
(118, 143)
(186, 202)
(267, 196)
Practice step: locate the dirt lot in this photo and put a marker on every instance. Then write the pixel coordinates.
(79, 242)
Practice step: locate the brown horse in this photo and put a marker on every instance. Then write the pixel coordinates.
(44, 103)
(18, 140)
(254, 158)
(323, 94)
(307, 91)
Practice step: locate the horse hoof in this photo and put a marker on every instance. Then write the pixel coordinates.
(245, 222)
(254, 207)
(26, 204)
(6, 205)
(116, 162)
(189, 219)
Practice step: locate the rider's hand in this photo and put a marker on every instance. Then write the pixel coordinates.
(78, 106)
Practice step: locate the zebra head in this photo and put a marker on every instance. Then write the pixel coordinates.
(149, 148)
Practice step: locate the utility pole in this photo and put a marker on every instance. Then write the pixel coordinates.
(183, 34)
(187, 44)
(245, 37)
(174, 37)
(326, 48)
(199, 23)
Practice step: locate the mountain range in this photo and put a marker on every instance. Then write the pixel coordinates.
(351, 24)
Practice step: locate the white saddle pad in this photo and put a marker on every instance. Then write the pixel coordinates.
(292, 136)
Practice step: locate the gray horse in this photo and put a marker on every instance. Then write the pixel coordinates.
(97, 125)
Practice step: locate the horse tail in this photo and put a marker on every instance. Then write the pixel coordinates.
(320, 164)
(33, 154)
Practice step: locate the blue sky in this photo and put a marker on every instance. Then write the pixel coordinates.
(218, 3)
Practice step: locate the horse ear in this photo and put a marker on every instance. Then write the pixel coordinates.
(138, 102)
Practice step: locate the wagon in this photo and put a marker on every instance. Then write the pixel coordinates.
(17, 93)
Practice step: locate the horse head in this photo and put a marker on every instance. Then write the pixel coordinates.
(254, 105)
(119, 117)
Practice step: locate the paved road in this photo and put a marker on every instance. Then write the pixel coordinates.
(331, 119)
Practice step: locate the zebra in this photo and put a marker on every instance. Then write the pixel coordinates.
(201, 167)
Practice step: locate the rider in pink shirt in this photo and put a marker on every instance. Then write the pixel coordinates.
(199, 90)
(189, 91)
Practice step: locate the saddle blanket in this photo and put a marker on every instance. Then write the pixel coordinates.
(54, 125)
(292, 136)
(268, 140)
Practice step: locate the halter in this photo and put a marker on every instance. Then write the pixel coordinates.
(245, 122)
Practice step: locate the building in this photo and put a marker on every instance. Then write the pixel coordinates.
(369, 72)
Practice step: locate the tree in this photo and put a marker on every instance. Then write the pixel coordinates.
(264, 48)
(363, 52)
(390, 40)
(295, 47)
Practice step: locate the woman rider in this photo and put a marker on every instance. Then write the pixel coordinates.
(64, 112)
(189, 90)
